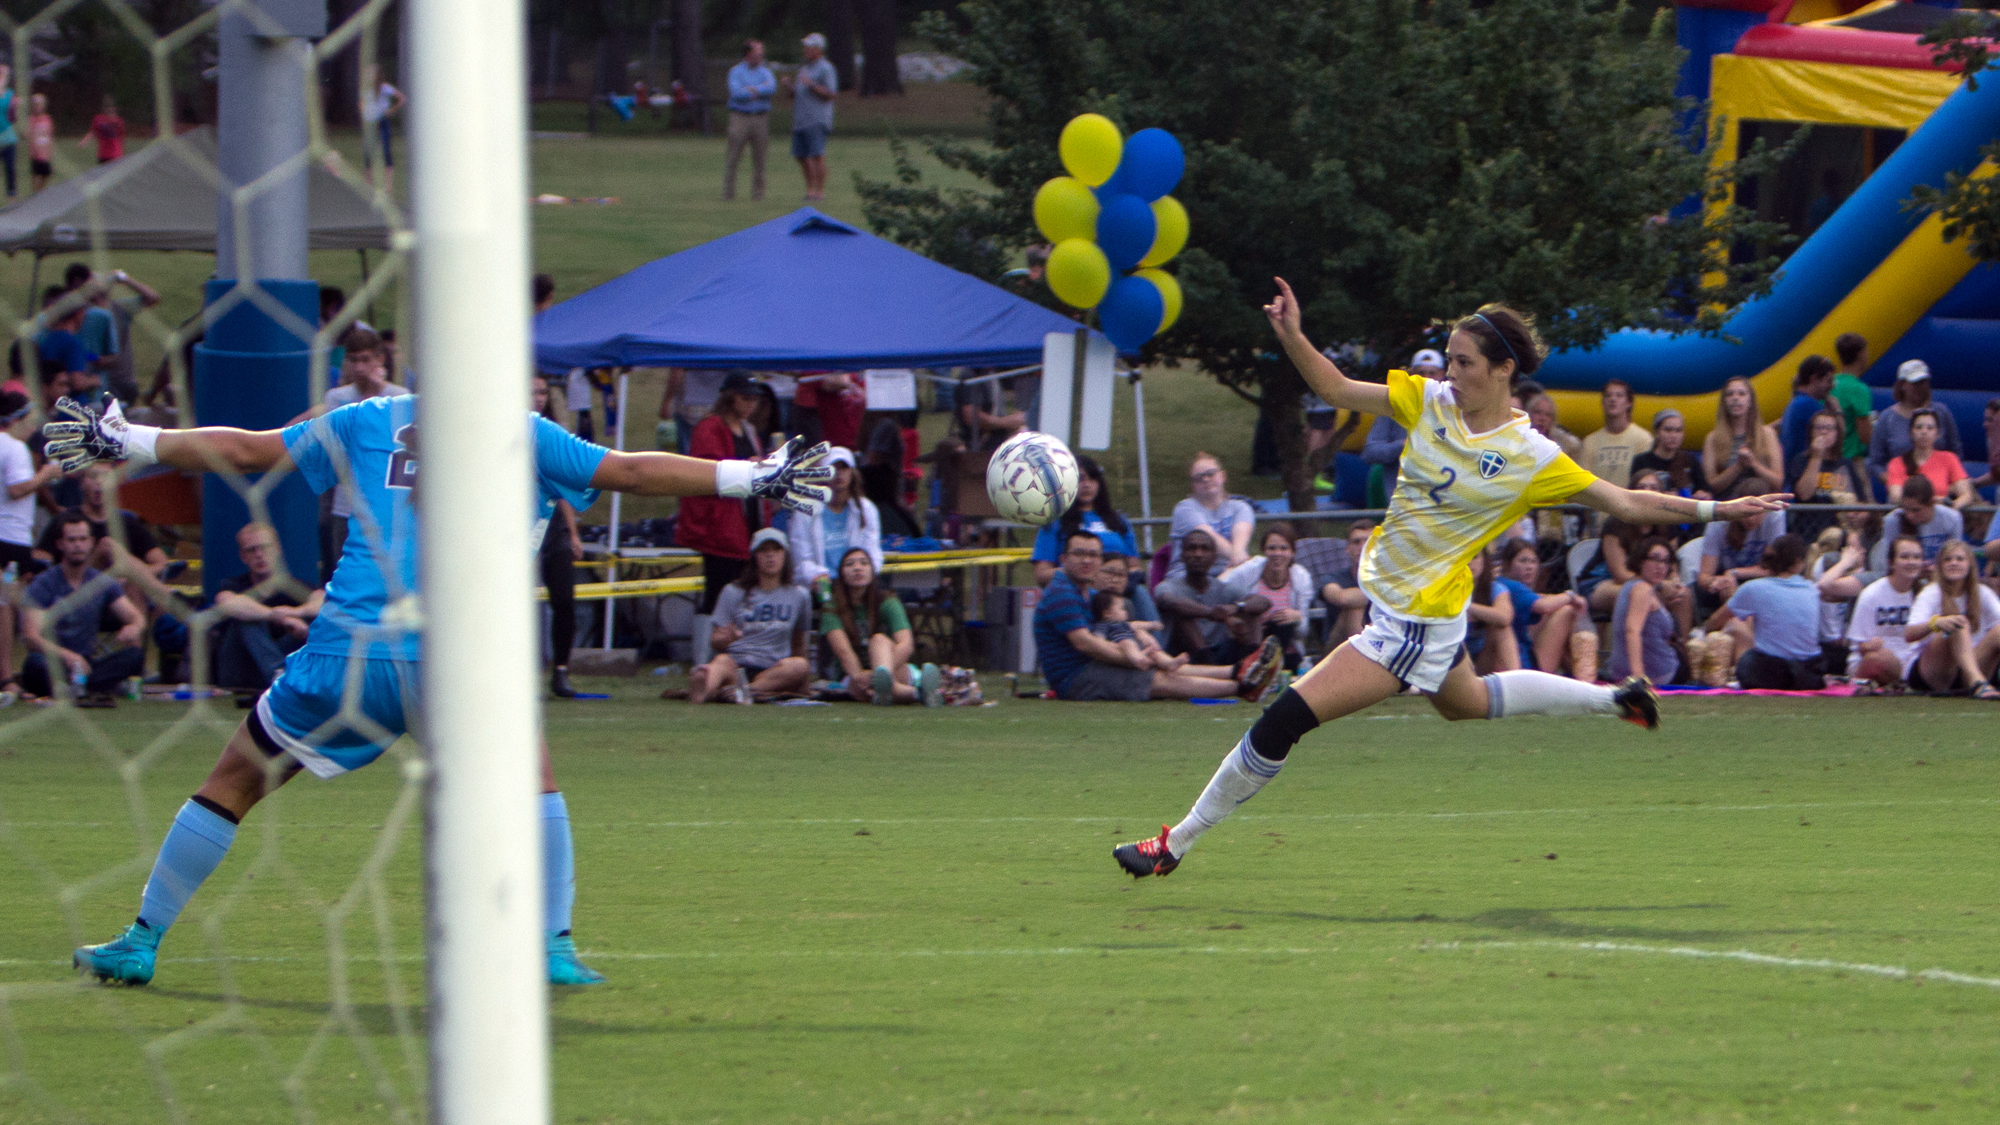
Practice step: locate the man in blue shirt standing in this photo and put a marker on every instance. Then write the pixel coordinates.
(316, 716)
(751, 87)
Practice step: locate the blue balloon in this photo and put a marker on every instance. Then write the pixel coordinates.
(1131, 312)
(1151, 166)
(1125, 229)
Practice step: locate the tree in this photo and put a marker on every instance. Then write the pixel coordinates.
(1399, 163)
(1969, 206)
(878, 48)
(840, 40)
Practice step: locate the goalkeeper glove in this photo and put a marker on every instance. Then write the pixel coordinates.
(94, 433)
(796, 480)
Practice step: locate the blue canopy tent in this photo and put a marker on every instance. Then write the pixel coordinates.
(802, 292)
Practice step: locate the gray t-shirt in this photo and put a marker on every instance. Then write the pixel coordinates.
(1715, 542)
(768, 618)
(808, 111)
(1190, 514)
(1217, 593)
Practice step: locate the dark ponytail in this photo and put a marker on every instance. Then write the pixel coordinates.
(1504, 334)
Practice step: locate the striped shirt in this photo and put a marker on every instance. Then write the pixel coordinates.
(1456, 493)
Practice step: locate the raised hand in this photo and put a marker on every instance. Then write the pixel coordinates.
(796, 480)
(84, 435)
(1284, 311)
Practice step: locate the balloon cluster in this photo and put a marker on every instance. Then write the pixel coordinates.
(1113, 225)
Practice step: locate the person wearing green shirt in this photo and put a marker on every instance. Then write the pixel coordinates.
(861, 620)
(1855, 400)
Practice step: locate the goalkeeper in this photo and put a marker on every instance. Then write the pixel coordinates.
(369, 448)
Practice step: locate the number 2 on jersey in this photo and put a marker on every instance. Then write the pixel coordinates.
(1450, 478)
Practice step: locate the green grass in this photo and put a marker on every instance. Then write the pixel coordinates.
(846, 914)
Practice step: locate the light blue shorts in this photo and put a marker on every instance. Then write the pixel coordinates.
(301, 713)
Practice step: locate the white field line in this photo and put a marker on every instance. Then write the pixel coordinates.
(802, 822)
(1742, 956)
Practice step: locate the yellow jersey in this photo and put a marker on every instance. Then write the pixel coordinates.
(1456, 491)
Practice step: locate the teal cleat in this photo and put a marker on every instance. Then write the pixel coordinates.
(930, 685)
(564, 967)
(127, 959)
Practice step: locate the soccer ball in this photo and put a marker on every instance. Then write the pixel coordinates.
(1032, 479)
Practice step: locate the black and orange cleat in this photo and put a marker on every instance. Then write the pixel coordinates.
(1146, 857)
(1637, 702)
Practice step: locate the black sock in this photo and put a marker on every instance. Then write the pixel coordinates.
(1283, 723)
(218, 810)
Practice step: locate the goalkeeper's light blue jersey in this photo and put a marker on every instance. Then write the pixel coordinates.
(371, 600)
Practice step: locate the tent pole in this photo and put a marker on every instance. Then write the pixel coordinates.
(617, 443)
(1145, 465)
(34, 279)
(363, 251)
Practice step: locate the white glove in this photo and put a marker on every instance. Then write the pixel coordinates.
(797, 481)
(96, 433)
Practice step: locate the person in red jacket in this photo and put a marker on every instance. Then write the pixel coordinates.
(716, 527)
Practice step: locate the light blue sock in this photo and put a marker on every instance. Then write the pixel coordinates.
(193, 847)
(558, 864)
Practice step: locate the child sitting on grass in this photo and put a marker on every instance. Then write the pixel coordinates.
(1113, 623)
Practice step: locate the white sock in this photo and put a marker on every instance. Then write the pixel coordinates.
(1236, 780)
(1539, 693)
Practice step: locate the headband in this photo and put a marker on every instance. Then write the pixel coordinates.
(10, 419)
(1503, 340)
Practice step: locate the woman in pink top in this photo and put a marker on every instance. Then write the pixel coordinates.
(41, 142)
(1286, 584)
(1942, 466)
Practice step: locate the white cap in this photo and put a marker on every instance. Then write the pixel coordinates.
(1913, 371)
(839, 455)
(769, 535)
(814, 40)
(1427, 358)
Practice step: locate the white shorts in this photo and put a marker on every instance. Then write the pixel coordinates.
(1418, 653)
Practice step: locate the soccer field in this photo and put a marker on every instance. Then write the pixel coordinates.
(853, 914)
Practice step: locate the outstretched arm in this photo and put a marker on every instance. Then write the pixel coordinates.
(1319, 372)
(791, 475)
(1659, 507)
(655, 474)
(86, 434)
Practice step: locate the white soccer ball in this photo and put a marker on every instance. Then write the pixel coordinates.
(1032, 479)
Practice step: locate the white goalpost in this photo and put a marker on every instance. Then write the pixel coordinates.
(482, 857)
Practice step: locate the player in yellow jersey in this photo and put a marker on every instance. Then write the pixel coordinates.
(1471, 468)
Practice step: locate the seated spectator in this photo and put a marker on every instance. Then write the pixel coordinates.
(1819, 473)
(1678, 466)
(847, 521)
(1732, 551)
(862, 621)
(71, 639)
(1603, 582)
(1929, 523)
(1812, 395)
(1943, 468)
(1608, 452)
(1644, 640)
(1211, 620)
(760, 630)
(1841, 554)
(1091, 512)
(1952, 624)
(1773, 623)
(1551, 631)
(1284, 584)
(1210, 506)
(1740, 451)
(1115, 575)
(264, 620)
(1080, 665)
(1541, 410)
(132, 535)
(1342, 590)
(1890, 437)
(1110, 617)
(888, 464)
(1879, 652)
(1489, 637)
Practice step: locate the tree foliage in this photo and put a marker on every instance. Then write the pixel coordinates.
(1398, 162)
(1969, 205)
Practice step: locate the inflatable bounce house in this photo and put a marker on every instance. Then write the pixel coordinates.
(1884, 119)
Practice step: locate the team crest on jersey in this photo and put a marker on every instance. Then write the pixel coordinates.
(403, 462)
(1491, 464)
(1440, 433)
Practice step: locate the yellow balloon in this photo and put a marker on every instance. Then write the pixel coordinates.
(1065, 208)
(1091, 147)
(1170, 226)
(1078, 272)
(1170, 296)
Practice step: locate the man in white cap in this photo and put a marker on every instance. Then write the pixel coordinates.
(1891, 438)
(813, 88)
(1608, 452)
(1384, 447)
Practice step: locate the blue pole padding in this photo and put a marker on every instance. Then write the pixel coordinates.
(252, 372)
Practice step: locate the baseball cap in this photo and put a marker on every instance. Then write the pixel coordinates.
(1913, 371)
(769, 535)
(738, 383)
(1429, 357)
(840, 455)
(814, 40)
